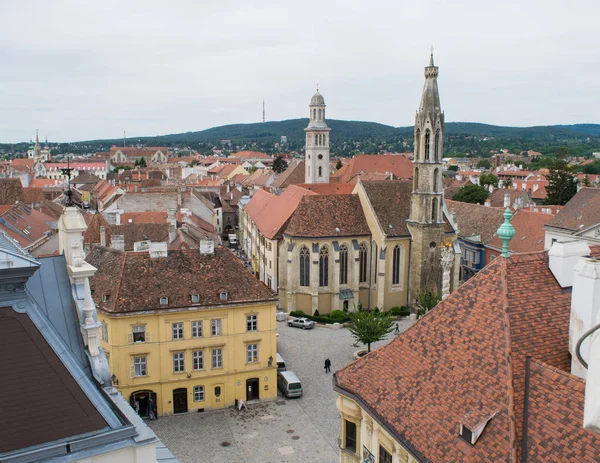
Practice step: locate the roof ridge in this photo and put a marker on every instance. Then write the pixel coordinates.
(509, 368)
(568, 376)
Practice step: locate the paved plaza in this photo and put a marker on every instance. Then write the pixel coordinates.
(287, 430)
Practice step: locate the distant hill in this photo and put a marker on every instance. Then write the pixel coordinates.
(340, 130)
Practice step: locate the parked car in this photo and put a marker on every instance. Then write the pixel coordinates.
(303, 323)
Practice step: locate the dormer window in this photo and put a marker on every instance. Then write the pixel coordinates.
(466, 434)
(223, 295)
(473, 424)
(105, 297)
(195, 298)
(164, 300)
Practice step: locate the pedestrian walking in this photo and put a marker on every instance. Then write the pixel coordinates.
(327, 365)
(397, 329)
(150, 409)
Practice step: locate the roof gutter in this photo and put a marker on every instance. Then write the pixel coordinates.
(399, 437)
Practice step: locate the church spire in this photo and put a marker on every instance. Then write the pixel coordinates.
(316, 163)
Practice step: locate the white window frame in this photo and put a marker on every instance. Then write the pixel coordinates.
(252, 353)
(195, 298)
(197, 329)
(217, 358)
(177, 331)
(252, 322)
(139, 364)
(164, 300)
(198, 359)
(136, 329)
(178, 362)
(199, 394)
(216, 327)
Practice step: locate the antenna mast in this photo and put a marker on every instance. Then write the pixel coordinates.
(263, 110)
(123, 138)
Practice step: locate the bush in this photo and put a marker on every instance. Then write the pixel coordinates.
(316, 314)
(400, 311)
(321, 319)
(297, 313)
(337, 314)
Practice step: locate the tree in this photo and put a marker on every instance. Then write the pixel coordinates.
(339, 164)
(475, 194)
(484, 164)
(370, 327)
(279, 165)
(562, 184)
(142, 163)
(454, 168)
(427, 300)
(488, 179)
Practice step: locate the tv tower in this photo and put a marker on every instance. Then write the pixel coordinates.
(263, 110)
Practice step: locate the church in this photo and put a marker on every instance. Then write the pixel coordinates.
(323, 246)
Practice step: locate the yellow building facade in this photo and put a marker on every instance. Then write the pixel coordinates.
(194, 359)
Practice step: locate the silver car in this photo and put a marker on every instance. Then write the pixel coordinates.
(303, 323)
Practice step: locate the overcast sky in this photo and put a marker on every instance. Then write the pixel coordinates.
(90, 69)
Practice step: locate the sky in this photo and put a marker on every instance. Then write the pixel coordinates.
(93, 69)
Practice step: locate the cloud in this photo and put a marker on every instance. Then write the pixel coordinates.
(82, 70)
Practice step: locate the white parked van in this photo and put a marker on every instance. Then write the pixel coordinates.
(289, 384)
(280, 363)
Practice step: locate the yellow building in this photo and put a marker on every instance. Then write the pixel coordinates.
(189, 330)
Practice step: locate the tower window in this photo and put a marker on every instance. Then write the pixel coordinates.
(319, 114)
(320, 171)
(324, 267)
(437, 145)
(435, 180)
(427, 137)
(317, 139)
(320, 156)
(304, 266)
(314, 114)
(416, 178)
(417, 155)
(434, 209)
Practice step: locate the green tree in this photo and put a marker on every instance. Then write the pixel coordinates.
(454, 168)
(338, 164)
(427, 300)
(279, 165)
(562, 184)
(488, 179)
(142, 163)
(471, 194)
(484, 164)
(370, 327)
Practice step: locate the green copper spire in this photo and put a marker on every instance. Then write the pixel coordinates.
(506, 232)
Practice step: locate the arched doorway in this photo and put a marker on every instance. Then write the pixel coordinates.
(180, 404)
(143, 399)
(252, 389)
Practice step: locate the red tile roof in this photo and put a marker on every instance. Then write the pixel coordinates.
(177, 277)
(474, 220)
(250, 155)
(581, 212)
(530, 233)
(328, 188)
(26, 225)
(468, 354)
(397, 164)
(11, 191)
(320, 216)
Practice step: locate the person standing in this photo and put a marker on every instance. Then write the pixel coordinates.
(327, 365)
(397, 329)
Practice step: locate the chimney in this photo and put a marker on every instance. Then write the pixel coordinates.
(172, 233)
(228, 187)
(117, 242)
(506, 199)
(157, 250)
(102, 235)
(585, 305)
(563, 255)
(207, 247)
(179, 203)
(488, 203)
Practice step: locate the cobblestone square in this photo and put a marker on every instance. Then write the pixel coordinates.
(294, 430)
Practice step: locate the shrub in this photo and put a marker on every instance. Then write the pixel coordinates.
(321, 319)
(297, 313)
(316, 314)
(400, 311)
(337, 314)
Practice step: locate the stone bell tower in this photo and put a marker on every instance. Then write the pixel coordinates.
(426, 222)
(316, 160)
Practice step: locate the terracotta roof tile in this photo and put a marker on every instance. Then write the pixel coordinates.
(397, 164)
(530, 233)
(475, 220)
(250, 155)
(177, 277)
(390, 201)
(294, 174)
(11, 191)
(469, 353)
(328, 216)
(581, 212)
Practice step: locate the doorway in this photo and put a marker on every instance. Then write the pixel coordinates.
(252, 389)
(143, 400)
(180, 404)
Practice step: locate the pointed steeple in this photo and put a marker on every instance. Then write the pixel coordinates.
(430, 99)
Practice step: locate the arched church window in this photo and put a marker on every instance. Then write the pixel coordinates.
(435, 180)
(437, 145)
(434, 210)
(362, 263)
(396, 265)
(343, 264)
(324, 267)
(304, 266)
(427, 137)
(320, 171)
(317, 139)
(417, 155)
(375, 263)
(416, 178)
(314, 114)
(319, 114)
